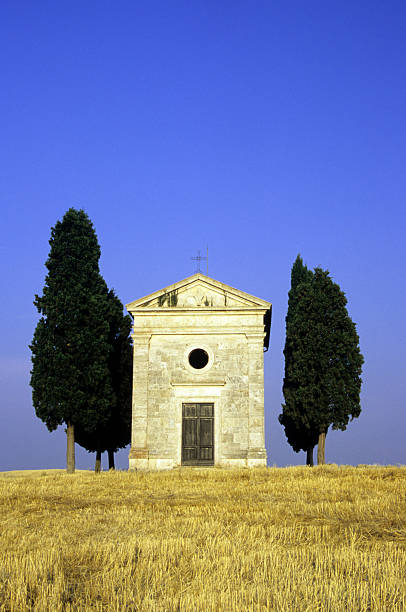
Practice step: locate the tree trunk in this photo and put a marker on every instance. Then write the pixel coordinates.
(70, 448)
(321, 449)
(309, 456)
(97, 465)
(111, 460)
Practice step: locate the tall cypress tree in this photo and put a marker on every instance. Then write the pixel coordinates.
(121, 370)
(70, 349)
(116, 432)
(339, 357)
(298, 427)
(322, 364)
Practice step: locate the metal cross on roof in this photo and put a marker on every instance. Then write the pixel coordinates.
(200, 258)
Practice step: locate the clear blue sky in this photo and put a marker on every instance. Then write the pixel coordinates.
(263, 129)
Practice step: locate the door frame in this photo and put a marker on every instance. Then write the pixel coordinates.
(198, 462)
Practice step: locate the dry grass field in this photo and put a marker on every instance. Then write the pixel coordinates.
(327, 538)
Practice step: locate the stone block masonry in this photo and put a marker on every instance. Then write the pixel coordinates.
(198, 379)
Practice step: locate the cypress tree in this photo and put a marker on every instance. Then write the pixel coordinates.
(322, 364)
(70, 349)
(298, 428)
(340, 360)
(116, 432)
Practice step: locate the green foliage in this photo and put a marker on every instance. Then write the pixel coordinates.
(70, 376)
(116, 432)
(322, 359)
(121, 369)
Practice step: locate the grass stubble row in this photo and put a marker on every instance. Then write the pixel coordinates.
(327, 538)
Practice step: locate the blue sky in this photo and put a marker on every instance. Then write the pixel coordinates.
(260, 129)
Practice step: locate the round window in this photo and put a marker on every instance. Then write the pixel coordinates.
(198, 359)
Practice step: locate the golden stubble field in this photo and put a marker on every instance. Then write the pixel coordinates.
(303, 539)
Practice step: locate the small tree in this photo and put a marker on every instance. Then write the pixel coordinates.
(70, 349)
(322, 364)
(116, 432)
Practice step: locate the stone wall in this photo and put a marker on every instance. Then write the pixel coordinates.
(164, 380)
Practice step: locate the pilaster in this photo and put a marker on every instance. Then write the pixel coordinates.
(138, 457)
(256, 454)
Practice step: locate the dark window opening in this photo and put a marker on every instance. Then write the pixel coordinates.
(198, 359)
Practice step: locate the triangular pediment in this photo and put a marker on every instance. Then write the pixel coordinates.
(198, 291)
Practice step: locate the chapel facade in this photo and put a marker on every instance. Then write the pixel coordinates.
(198, 378)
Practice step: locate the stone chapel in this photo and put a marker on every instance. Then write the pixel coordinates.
(198, 379)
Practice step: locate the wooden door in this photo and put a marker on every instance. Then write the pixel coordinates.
(198, 434)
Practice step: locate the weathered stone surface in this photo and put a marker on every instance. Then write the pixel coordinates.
(228, 324)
